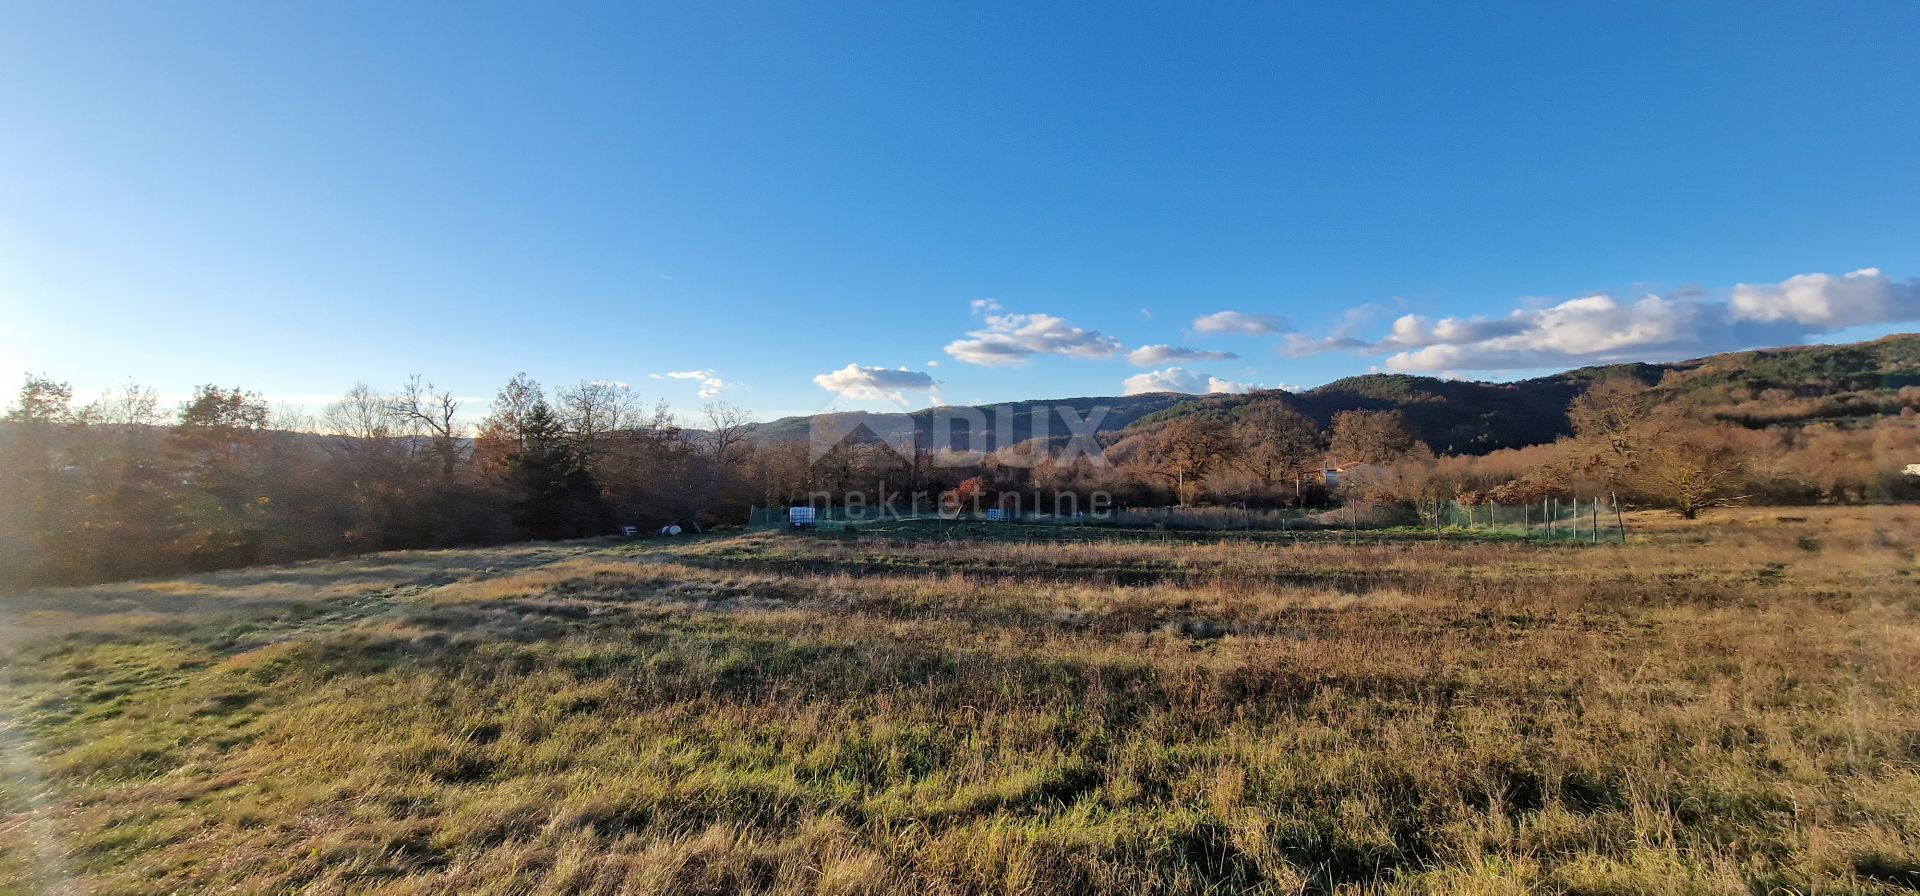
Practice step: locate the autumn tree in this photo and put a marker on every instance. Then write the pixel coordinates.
(1371, 437)
(502, 432)
(1184, 451)
(216, 450)
(1611, 425)
(1657, 454)
(964, 496)
(1276, 444)
(1688, 467)
(35, 504)
(41, 402)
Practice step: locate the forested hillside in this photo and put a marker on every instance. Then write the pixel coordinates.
(1834, 383)
(122, 487)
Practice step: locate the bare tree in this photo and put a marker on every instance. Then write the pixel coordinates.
(727, 429)
(432, 416)
(1689, 467)
(1610, 422)
(287, 416)
(590, 410)
(1655, 453)
(360, 414)
(130, 405)
(725, 436)
(360, 424)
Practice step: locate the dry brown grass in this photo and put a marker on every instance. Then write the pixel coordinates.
(1731, 706)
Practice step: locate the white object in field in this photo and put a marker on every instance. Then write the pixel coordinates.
(1913, 470)
(669, 530)
(629, 531)
(800, 517)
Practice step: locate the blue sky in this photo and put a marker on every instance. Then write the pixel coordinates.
(950, 202)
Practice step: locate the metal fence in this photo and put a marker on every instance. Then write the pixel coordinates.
(1571, 519)
(1576, 519)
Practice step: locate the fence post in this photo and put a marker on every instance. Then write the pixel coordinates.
(1618, 520)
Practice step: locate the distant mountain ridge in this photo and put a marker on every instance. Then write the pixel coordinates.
(1121, 412)
(1779, 386)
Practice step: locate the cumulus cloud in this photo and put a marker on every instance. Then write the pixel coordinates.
(1865, 296)
(1149, 355)
(1416, 331)
(1605, 329)
(1237, 322)
(1593, 328)
(1180, 379)
(709, 382)
(874, 383)
(1012, 338)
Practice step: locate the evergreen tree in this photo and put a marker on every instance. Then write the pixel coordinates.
(557, 497)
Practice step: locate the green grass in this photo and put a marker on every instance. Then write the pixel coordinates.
(1711, 709)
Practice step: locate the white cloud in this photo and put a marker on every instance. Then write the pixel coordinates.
(874, 383)
(1012, 338)
(1237, 322)
(985, 306)
(1606, 329)
(1180, 379)
(1416, 331)
(1593, 328)
(710, 382)
(1865, 296)
(1149, 355)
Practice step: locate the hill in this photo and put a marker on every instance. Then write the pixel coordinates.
(1782, 386)
(1764, 387)
(1018, 415)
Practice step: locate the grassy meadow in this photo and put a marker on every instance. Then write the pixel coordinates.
(1727, 706)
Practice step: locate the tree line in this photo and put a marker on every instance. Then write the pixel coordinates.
(1627, 441)
(121, 487)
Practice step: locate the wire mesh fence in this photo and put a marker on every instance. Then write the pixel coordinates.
(1572, 519)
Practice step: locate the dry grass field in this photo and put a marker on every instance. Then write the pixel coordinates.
(1728, 706)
